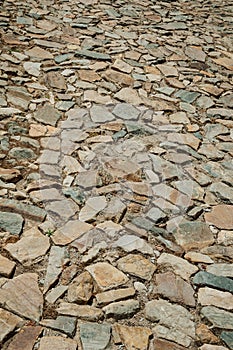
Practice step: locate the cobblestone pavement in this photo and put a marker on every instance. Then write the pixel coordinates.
(116, 145)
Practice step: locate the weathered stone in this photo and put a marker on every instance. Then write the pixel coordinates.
(56, 80)
(58, 343)
(81, 288)
(32, 68)
(210, 296)
(114, 295)
(121, 309)
(161, 344)
(195, 53)
(70, 231)
(212, 347)
(136, 265)
(175, 322)
(85, 312)
(55, 264)
(222, 191)
(106, 276)
(133, 337)
(32, 245)
(126, 111)
(227, 337)
(47, 115)
(221, 216)
(39, 53)
(25, 339)
(174, 288)
(92, 207)
(8, 322)
(11, 222)
(6, 266)
(203, 278)
(55, 294)
(95, 336)
(23, 296)
(198, 257)
(205, 334)
(22, 153)
(118, 77)
(225, 270)
(180, 266)
(64, 324)
(19, 97)
(130, 243)
(93, 54)
(193, 235)
(219, 318)
(100, 114)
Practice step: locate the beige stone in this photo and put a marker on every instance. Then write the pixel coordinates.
(32, 245)
(198, 257)
(205, 335)
(70, 231)
(106, 276)
(81, 288)
(25, 339)
(180, 266)
(137, 265)
(85, 312)
(6, 266)
(23, 296)
(92, 207)
(114, 295)
(210, 296)
(118, 77)
(133, 337)
(88, 75)
(8, 322)
(58, 343)
(161, 344)
(212, 347)
(221, 216)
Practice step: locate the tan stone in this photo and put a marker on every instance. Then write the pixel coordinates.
(106, 276)
(8, 322)
(39, 53)
(212, 347)
(70, 231)
(25, 339)
(205, 334)
(195, 53)
(80, 290)
(23, 296)
(221, 216)
(118, 77)
(180, 266)
(32, 245)
(210, 296)
(198, 257)
(187, 139)
(168, 70)
(56, 80)
(114, 295)
(94, 96)
(133, 337)
(225, 62)
(129, 95)
(9, 174)
(37, 130)
(85, 312)
(160, 344)
(174, 288)
(88, 75)
(122, 66)
(137, 265)
(6, 266)
(58, 343)
(92, 207)
(122, 168)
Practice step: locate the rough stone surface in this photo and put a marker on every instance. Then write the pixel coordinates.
(95, 336)
(137, 266)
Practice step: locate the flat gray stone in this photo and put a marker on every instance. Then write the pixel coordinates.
(219, 318)
(174, 320)
(100, 114)
(222, 191)
(65, 324)
(47, 115)
(121, 309)
(227, 337)
(55, 264)
(126, 111)
(95, 336)
(11, 222)
(22, 153)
